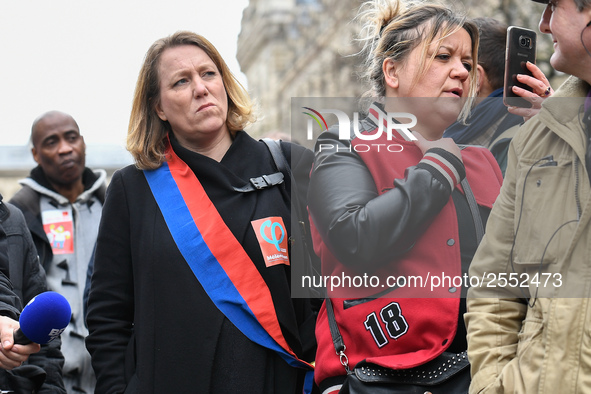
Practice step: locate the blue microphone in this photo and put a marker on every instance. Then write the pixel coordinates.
(43, 319)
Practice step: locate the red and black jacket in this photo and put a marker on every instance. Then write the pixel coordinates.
(390, 213)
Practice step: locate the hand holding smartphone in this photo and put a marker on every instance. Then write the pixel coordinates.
(521, 48)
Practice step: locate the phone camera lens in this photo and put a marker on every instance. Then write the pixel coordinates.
(525, 41)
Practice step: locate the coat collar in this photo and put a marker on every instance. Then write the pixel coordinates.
(562, 113)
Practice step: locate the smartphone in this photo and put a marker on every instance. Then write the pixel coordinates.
(521, 48)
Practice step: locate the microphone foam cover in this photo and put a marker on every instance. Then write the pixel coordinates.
(45, 317)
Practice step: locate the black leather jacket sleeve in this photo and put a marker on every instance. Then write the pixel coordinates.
(363, 228)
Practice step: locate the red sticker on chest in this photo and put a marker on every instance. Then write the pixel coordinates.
(272, 237)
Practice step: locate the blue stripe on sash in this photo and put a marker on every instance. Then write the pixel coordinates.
(203, 263)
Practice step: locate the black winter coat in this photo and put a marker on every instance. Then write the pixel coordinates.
(21, 279)
(152, 327)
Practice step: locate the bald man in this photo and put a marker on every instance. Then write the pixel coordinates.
(62, 203)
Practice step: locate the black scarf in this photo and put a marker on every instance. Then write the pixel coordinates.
(482, 117)
(38, 175)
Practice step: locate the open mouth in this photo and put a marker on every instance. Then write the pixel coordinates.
(456, 92)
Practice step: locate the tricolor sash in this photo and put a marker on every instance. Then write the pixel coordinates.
(217, 259)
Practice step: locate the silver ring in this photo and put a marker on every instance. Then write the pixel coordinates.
(547, 91)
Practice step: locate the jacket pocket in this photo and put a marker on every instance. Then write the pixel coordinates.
(529, 339)
(545, 214)
(528, 367)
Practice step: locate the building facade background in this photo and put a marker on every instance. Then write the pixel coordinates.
(308, 48)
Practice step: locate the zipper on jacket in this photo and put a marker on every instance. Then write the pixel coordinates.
(359, 301)
(577, 199)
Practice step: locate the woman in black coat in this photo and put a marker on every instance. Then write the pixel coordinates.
(191, 284)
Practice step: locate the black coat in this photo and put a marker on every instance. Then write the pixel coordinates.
(152, 327)
(21, 279)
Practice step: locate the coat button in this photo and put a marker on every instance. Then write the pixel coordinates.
(452, 289)
(451, 242)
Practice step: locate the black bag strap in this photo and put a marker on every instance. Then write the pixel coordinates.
(473, 206)
(270, 180)
(335, 333)
(279, 158)
(473, 210)
(283, 166)
(261, 182)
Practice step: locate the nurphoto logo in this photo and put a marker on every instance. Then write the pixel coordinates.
(345, 124)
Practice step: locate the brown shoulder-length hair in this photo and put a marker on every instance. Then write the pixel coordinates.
(147, 132)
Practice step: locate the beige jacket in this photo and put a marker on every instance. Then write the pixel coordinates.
(538, 231)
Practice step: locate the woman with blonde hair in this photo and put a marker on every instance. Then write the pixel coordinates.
(191, 285)
(407, 213)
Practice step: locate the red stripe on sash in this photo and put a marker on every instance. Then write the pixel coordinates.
(226, 249)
